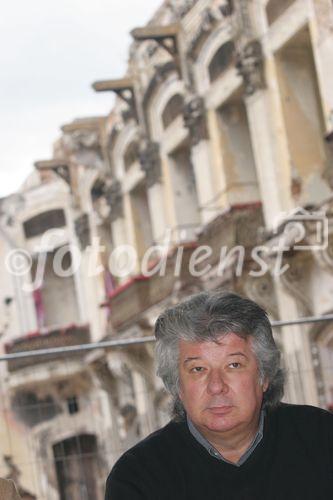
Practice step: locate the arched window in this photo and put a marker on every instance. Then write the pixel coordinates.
(46, 220)
(131, 155)
(76, 462)
(221, 60)
(173, 108)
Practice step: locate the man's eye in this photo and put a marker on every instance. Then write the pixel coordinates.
(235, 364)
(197, 369)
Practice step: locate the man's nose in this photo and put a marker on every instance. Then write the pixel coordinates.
(216, 383)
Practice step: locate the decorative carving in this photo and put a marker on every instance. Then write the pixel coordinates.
(261, 290)
(250, 67)
(82, 230)
(83, 147)
(114, 199)
(150, 162)
(195, 119)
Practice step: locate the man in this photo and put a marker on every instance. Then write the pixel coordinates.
(230, 438)
(8, 490)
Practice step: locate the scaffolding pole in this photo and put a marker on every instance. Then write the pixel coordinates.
(139, 340)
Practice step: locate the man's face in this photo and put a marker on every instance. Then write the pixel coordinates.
(219, 384)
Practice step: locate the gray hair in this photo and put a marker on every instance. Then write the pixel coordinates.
(207, 316)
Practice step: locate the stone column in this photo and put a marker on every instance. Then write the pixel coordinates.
(273, 167)
(115, 201)
(291, 291)
(150, 162)
(141, 363)
(218, 167)
(25, 303)
(267, 131)
(195, 122)
(108, 383)
(142, 403)
(77, 275)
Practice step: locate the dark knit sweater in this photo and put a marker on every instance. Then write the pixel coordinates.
(294, 461)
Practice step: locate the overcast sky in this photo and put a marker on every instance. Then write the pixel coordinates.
(50, 54)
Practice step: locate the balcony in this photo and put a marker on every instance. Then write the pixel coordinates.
(237, 226)
(141, 292)
(59, 337)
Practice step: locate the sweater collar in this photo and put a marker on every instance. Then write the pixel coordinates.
(215, 453)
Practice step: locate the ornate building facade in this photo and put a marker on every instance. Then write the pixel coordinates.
(214, 169)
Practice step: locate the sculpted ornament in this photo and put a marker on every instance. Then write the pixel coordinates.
(251, 67)
(150, 162)
(195, 119)
(114, 199)
(82, 230)
(261, 290)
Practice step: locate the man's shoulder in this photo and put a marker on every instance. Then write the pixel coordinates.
(308, 411)
(169, 432)
(138, 473)
(309, 418)
(158, 444)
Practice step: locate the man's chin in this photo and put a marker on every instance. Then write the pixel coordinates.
(220, 420)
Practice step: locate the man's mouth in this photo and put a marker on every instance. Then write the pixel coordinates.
(220, 410)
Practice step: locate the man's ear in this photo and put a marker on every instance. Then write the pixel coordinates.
(265, 385)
